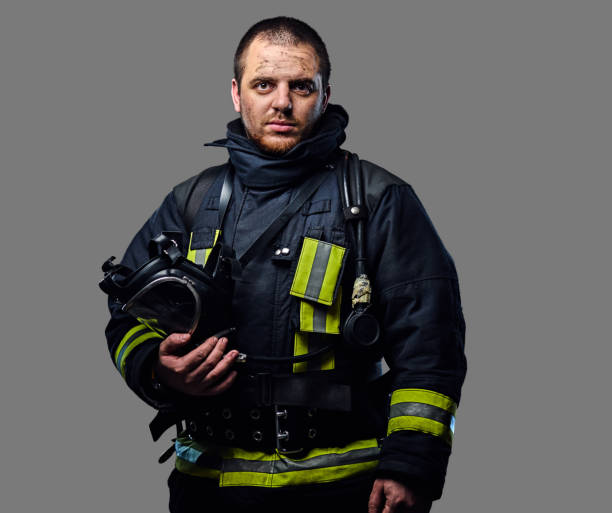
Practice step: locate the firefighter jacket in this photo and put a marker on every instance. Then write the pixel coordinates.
(292, 299)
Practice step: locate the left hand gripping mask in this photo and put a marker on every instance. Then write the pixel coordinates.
(170, 294)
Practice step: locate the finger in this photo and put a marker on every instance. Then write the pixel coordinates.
(375, 501)
(219, 370)
(173, 343)
(221, 387)
(216, 357)
(196, 356)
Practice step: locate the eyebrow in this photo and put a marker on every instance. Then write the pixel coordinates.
(262, 78)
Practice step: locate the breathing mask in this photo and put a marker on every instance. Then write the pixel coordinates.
(170, 294)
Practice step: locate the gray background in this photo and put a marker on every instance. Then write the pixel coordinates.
(498, 113)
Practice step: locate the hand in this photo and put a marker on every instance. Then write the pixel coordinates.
(394, 496)
(203, 371)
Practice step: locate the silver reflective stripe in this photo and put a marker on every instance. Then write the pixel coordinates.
(317, 272)
(289, 465)
(426, 411)
(200, 256)
(319, 318)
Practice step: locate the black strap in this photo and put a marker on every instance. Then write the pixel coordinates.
(225, 197)
(306, 190)
(190, 193)
(354, 207)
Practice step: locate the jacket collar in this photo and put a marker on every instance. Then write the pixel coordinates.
(257, 169)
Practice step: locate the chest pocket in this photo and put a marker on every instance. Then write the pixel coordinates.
(317, 284)
(317, 276)
(201, 244)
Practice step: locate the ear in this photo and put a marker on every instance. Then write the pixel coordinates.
(326, 97)
(235, 95)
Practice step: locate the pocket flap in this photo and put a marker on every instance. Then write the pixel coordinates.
(318, 272)
(203, 239)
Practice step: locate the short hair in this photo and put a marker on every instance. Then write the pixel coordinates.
(284, 31)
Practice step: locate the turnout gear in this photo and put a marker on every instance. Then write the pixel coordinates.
(293, 298)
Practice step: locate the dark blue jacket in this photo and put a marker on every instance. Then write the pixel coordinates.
(415, 293)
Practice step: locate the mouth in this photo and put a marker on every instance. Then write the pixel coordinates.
(281, 126)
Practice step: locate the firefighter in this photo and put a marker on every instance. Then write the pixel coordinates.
(334, 264)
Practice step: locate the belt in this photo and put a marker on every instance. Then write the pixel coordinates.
(287, 429)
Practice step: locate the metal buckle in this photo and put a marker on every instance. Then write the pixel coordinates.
(173, 243)
(282, 434)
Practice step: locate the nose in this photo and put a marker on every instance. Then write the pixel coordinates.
(282, 99)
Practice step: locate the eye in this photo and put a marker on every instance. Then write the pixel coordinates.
(303, 87)
(262, 86)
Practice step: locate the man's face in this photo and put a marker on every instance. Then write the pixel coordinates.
(280, 98)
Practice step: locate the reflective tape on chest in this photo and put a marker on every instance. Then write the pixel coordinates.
(200, 255)
(318, 271)
(316, 318)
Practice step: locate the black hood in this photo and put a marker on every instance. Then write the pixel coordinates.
(255, 168)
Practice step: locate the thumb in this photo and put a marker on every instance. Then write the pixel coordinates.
(173, 343)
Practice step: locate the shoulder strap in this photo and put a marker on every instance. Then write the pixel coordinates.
(355, 212)
(190, 193)
(350, 183)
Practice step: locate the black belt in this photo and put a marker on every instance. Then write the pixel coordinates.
(263, 391)
(290, 430)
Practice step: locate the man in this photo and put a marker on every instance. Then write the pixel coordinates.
(388, 450)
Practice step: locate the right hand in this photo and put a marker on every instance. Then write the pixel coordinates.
(204, 371)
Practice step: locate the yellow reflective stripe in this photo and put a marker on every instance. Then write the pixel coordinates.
(152, 324)
(306, 316)
(208, 250)
(124, 340)
(300, 346)
(191, 253)
(226, 452)
(275, 470)
(332, 320)
(422, 424)
(419, 395)
(328, 360)
(133, 345)
(297, 477)
(194, 255)
(317, 271)
(296, 469)
(302, 272)
(315, 318)
(334, 264)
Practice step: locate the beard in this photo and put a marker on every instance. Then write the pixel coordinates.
(274, 145)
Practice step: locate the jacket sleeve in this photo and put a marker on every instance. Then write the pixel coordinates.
(417, 296)
(132, 345)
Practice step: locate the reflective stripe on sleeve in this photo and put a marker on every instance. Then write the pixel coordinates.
(153, 325)
(318, 270)
(237, 467)
(131, 340)
(416, 409)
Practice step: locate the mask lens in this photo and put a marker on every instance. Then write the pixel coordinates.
(167, 305)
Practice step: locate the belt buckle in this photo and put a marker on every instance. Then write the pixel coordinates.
(282, 434)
